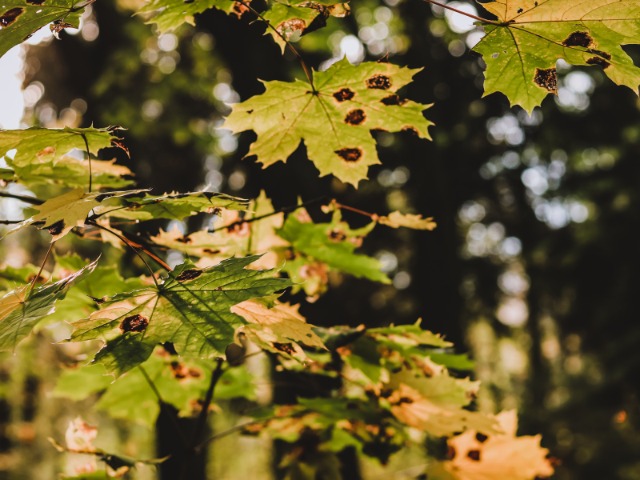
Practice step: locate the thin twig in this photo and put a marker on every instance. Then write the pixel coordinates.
(267, 215)
(462, 12)
(372, 216)
(134, 247)
(202, 418)
(225, 433)
(46, 257)
(10, 222)
(307, 71)
(163, 404)
(86, 144)
(22, 198)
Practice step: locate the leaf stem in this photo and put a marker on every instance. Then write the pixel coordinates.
(372, 216)
(462, 12)
(86, 144)
(135, 247)
(267, 215)
(46, 257)
(307, 71)
(22, 198)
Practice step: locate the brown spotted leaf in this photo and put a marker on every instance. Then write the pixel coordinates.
(521, 53)
(19, 19)
(407, 220)
(335, 121)
(168, 15)
(495, 457)
(292, 19)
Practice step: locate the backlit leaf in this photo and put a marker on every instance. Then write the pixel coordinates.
(407, 220)
(168, 15)
(335, 122)
(190, 309)
(19, 19)
(22, 309)
(521, 53)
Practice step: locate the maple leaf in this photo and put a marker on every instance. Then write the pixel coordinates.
(190, 309)
(495, 457)
(334, 121)
(522, 49)
(407, 220)
(62, 213)
(168, 15)
(172, 206)
(278, 329)
(294, 19)
(332, 244)
(22, 309)
(19, 19)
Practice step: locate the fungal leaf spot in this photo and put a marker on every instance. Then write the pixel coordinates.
(578, 39)
(379, 81)
(350, 154)
(355, 117)
(10, 16)
(598, 61)
(134, 323)
(56, 228)
(474, 455)
(344, 94)
(189, 274)
(546, 78)
(35, 2)
(393, 100)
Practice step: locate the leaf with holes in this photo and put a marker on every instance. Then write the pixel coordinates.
(172, 206)
(521, 52)
(494, 457)
(190, 309)
(168, 15)
(294, 19)
(22, 309)
(19, 19)
(335, 121)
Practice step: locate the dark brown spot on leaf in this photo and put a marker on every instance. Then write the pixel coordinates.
(547, 79)
(355, 117)
(405, 400)
(10, 16)
(57, 26)
(520, 10)
(183, 239)
(289, 27)
(210, 251)
(189, 275)
(474, 455)
(393, 100)
(56, 228)
(337, 235)
(600, 53)
(451, 453)
(284, 347)
(35, 2)
(578, 39)
(598, 61)
(344, 94)
(379, 81)
(481, 437)
(134, 323)
(350, 154)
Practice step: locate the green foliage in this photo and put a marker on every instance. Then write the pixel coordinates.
(522, 50)
(346, 102)
(19, 19)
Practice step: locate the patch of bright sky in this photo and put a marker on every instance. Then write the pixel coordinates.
(11, 78)
(457, 22)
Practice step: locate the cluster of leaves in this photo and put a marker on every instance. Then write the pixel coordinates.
(169, 339)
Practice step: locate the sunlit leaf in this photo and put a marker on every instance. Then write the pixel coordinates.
(168, 15)
(190, 309)
(19, 19)
(335, 121)
(521, 53)
(22, 309)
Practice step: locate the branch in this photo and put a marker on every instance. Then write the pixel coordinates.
(22, 198)
(466, 14)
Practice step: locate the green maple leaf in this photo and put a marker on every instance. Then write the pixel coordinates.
(335, 121)
(168, 15)
(522, 49)
(294, 19)
(332, 243)
(190, 309)
(21, 309)
(172, 206)
(42, 156)
(19, 19)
